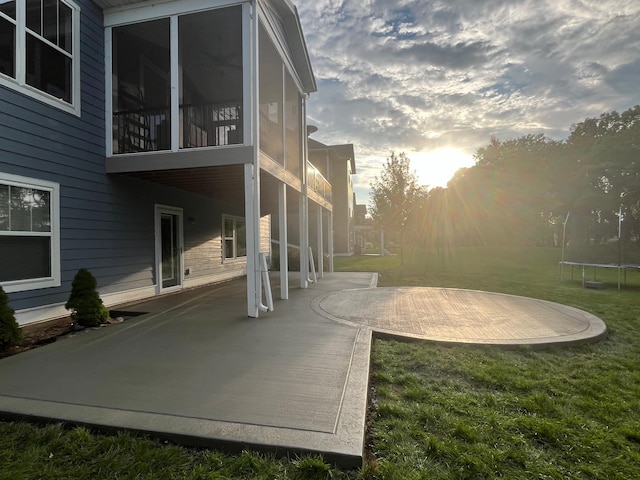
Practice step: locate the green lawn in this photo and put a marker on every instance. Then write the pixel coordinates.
(469, 412)
(437, 412)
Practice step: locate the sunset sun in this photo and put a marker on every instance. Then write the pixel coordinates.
(435, 168)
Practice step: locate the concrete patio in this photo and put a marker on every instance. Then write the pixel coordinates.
(193, 369)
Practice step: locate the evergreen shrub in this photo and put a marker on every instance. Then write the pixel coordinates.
(10, 332)
(84, 301)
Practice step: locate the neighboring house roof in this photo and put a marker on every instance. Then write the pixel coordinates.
(343, 152)
(291, 20)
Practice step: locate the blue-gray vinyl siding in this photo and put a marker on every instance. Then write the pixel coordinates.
(107, 221)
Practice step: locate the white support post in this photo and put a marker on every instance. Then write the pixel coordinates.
(330, 241)
(304, 240)
(252, 170)
(252, 222)
(175, 79)
(382, 242)
(284, 240)
(320, 243)
(304, 198)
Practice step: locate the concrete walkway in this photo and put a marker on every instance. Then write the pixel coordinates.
(195, 370)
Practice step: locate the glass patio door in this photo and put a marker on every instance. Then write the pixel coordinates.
(169, 247)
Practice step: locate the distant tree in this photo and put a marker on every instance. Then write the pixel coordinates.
(10, 333)
(84, 301)
(395, 195)
(607, 155)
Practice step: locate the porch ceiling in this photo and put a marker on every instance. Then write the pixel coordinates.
(223, 183)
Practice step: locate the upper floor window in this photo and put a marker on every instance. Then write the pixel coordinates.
(202, 79)
(29, 233)
(39, 50)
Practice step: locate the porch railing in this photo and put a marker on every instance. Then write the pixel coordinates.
(141, 130)
(317, 183)
(211, 125)
(203, 125)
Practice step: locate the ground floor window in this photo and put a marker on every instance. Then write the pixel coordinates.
(234, 237)
(29, 233)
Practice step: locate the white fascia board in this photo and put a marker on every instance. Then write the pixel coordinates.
(148, 11)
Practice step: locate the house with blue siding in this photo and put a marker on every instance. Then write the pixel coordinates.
(161, 145)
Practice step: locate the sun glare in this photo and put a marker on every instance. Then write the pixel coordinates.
(435, 168)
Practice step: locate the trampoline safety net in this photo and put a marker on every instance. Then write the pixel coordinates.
(589, 239)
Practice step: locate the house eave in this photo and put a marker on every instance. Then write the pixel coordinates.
(336, 152)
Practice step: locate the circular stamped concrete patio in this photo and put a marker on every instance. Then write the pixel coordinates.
(461, 316)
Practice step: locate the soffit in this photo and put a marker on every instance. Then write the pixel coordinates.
(223, 183)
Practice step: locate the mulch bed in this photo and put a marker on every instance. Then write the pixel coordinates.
(34, 336)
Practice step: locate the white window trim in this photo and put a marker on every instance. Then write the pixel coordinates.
(20, 83)
(54, 190)
(234, 236)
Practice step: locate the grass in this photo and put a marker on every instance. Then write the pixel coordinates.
(437, 412)
(53, 452)
(443, 412)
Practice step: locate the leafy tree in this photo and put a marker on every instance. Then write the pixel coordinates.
(511, 196)
(520, 190)
(395, 195)
(10, 333)
(84, 301)
(607, 151)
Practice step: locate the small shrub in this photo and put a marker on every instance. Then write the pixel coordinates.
(10, 333)
(84, 301)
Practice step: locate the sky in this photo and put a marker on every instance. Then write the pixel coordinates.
(437, 79)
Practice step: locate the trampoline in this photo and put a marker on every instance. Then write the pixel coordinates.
(594, 241)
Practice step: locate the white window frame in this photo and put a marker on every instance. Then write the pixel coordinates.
(232, 236)
(54, 192)
(20, 82)
(121, 16)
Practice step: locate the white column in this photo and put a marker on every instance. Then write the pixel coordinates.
(304, 201)
(284, 240)
(320, 266)
(330, 241)
(252, 221)
(382, 242)
(252, 170)
(175, 81)
(304, 238)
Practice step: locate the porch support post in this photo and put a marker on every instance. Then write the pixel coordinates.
(330, 240)
(304, 238)
(252, 169)
(284, 240)
(252, 219)
(304, 199)
(320, 243)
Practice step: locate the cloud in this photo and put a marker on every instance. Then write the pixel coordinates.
(422, 75)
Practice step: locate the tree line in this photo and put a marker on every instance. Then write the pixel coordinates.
(519, 191)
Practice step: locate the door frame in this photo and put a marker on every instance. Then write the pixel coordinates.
(158, 211)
